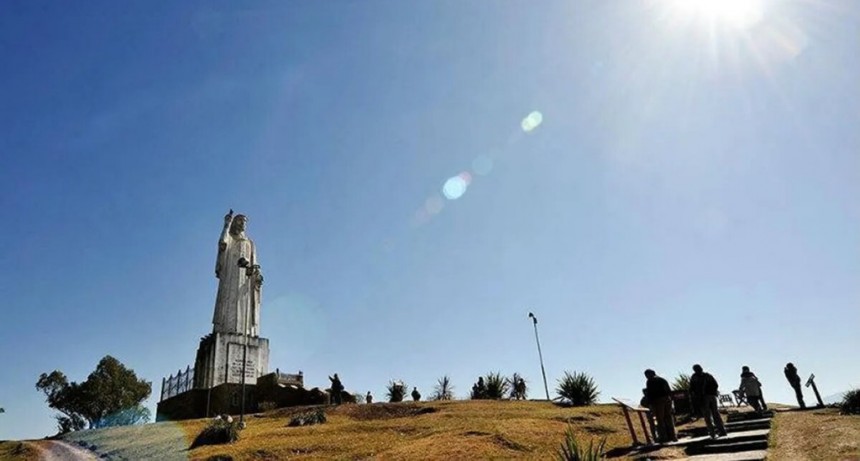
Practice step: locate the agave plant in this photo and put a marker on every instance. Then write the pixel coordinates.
(395, 390)
(497, 386)
(571, 450)
(518, 387)
(681, 383)
(443, 390)
(578, 389)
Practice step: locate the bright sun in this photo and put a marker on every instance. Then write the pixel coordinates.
(736, 13)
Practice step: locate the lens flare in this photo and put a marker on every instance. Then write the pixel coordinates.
(456, 186)
(532, 121)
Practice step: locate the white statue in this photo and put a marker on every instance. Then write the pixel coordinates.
(239, 280)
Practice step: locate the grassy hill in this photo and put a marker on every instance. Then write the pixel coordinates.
(433, 430)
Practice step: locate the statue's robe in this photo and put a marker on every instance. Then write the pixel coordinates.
(238, 293)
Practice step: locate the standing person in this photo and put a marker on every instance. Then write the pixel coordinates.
(705, 390)
(751, 387)
(336, 389)
(794, 379)
(658, 394)
(416, 396)
(368, 398)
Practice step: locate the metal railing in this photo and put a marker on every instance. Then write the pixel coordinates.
(175, 385)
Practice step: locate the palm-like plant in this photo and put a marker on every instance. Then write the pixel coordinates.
(518, 387)
(578, 389)
(681, 383)
(571, 450)
(497, 385)
(443, 390)
(395, 390)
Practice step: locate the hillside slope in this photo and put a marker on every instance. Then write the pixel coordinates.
(433, 430)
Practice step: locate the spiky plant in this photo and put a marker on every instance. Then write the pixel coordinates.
(681, 383)
(497, 386)
(571, 450)
(850, 404)
(578, 389)
(443, 390)
(519, 389)
(395, 390)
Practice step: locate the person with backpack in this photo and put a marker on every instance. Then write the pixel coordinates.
(751, 387)
(705, 390)
(659, 398)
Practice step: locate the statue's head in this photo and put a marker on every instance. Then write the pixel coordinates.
(238, 224)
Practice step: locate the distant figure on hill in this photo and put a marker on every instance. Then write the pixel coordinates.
(336, 389)
(794, 379)
(751, 387)
(704, 389)
(479, 389)
(368, 398)
(658, 394)
(416, 396)
(520, 388)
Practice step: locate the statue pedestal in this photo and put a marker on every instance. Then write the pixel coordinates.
(219, 360)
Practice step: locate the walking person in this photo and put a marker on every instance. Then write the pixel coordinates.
(705, 390)
(416, 396)
(368, 398)
(751, 387)
(794, 379)
(658, 394)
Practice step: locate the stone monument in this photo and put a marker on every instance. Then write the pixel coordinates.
(236, 321)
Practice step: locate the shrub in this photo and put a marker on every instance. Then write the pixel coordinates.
(219, 431)
(497, 386)
(518, 387)
(571, 450)
(850, 404)
(578, 389)
(443, 390)
(308, 419)
(681, 383)
(395, 391)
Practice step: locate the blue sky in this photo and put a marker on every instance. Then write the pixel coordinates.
(691, 194)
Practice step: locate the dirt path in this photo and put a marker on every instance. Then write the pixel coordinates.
(56, 450)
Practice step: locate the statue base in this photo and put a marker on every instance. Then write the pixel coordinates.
(219, 359)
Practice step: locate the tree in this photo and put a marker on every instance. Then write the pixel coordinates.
(681, 383)
(395, 390)
(443, 390)
(578, 389)
(518, 387)
(111, 396)
(495, 386)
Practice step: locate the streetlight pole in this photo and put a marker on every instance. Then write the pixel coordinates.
(540, 355)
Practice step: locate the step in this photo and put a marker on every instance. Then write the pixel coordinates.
(731, 447)
(731, 427)
(754, 455)
(747, 415)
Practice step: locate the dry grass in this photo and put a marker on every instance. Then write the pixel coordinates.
(433, 430)
(21, 451)
(815, 435)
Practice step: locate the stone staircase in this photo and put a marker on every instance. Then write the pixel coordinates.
(747, 439)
